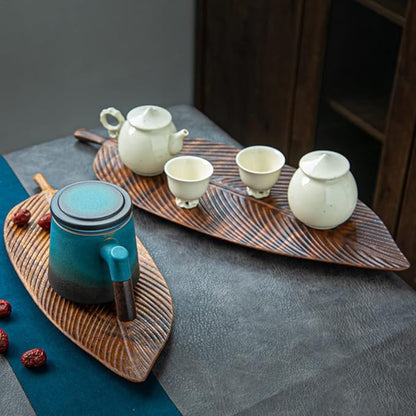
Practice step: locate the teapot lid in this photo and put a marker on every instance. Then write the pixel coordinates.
(324, 164)
(91, 205)
(149, 117)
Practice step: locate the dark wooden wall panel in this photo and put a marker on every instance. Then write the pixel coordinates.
(400, 129)
(406, 232)
(246, 81)
(308, 82)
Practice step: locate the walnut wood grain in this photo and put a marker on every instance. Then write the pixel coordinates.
(85, 135)
(226, 212)
(124, 300)
(129, 349)
(43, 184)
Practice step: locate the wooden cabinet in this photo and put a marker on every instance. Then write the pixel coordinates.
(303, 75)
(395, 197)
(367, 107)
(246, 67)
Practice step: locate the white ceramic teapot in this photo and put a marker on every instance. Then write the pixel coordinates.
(322, 192)
(147, 139)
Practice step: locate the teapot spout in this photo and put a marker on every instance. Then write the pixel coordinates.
(176, 141)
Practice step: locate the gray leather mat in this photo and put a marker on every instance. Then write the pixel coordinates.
(13, 400)
(261, 334)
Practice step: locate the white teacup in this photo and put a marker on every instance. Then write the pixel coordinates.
(188, 179)
(259, 168)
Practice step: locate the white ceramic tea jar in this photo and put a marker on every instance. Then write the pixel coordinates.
(322, 192)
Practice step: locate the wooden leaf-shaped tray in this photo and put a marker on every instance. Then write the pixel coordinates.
(228, 213)
(129, 349)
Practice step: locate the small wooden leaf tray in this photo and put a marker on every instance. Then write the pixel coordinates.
(129, 349)
(228, 213)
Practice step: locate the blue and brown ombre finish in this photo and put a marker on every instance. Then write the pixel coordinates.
(92, 241)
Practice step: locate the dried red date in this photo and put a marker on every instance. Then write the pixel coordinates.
(35, 357)
(4, 341)
(45, 221)
(21, 216)
(5, 308)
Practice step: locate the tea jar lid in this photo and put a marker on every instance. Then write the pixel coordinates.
(91, 205)
(324, 164)
(149, 117)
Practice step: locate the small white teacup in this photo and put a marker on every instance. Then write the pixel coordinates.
(259, 168)
(188, 179)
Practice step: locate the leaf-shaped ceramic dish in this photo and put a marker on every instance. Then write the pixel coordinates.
(129, 349)
(227, 212)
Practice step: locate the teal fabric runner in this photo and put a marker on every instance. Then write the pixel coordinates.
(72, 383)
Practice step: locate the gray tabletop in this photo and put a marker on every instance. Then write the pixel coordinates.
(257, 333)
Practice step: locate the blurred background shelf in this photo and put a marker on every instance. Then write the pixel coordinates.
(393, 10)
(366, 112)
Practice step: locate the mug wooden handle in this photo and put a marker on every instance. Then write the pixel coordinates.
(124, 300)
(117, 260)
(87, 136)
(42, 182)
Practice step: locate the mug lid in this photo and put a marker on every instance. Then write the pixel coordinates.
(324, 164)
(149, 117)
(91, 205)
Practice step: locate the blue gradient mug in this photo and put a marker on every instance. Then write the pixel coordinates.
(93, 252)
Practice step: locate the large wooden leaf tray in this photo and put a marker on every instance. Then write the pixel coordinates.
(129, 349)
(228, 213)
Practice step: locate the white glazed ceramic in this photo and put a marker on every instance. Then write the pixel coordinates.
(259, 168)
(147, 139)
(188, 179)
(322, 192)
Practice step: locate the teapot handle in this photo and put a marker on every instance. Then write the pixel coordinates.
(113, 130)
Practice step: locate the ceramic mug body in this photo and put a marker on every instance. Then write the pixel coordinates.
(77, 271)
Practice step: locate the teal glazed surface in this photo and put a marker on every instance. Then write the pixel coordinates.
(84, 262)
(90, 201)
(91, 206)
